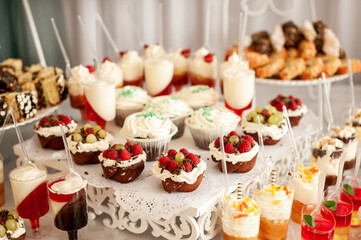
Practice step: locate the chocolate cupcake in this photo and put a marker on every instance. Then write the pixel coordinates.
(240, 152)
(123, 163)
(87, 143)
(12, 227)
(179, 171)
(49, 133)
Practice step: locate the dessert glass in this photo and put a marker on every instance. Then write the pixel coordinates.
(158, 76)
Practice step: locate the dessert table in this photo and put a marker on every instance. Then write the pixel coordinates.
(96, 227)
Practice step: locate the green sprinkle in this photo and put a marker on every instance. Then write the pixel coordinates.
(207, 111)
(200, 89)
(128, 92)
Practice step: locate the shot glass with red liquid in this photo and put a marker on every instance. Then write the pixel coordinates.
(30, 193)
(324, 225)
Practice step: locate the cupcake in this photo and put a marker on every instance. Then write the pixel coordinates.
(87, 143)
(132, 66)
(123, 163)
(129, 99)
(174, 108)
(179, 171)
(12, 226)
(347, 135)
(205, 124)
(295, 108)
(326, 154)
(355, 120)
(273, 125)
(240, 152)
(49, 132)
(152, 131)
(203, 68)
(180, 59)
(199, 96)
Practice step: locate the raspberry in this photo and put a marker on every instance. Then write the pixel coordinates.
(293, 106)
(226, 57)
(114, 155)
(279, 106)
(248, 138)
(90, 68)
(163, 161)
(128, 143)
(57, 123)
(172, 152)
(298, 102)
(274, 102)
(245, 146)
(89, 131)
(188, 167)
(106, 59)
(47, 124)
(229, 148)
(43, 120)
(186, 53)
(172, 165)
(291, 97)
(265, 113)
(137, 149)
(279, 96)
(233, 133)
(146, 46)
(125, 155)
(208, 58)
(194, 158)
(121, 54)
(65, 120)
(184, 151)
(114, 145)
(105, 153)
(217, 142)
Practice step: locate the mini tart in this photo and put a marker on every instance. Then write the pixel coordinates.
(19, 233)
(123, 163)
(183, 175)
(240, 152)
(273, 125)
(49, 132)
(295, 108)
(87, 143)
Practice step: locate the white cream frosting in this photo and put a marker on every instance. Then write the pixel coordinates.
(131, 97)
(273, 131)
(232, 157)
(277, 38)
(188, 177)
(331, 44)
(100, 145)
(213, 117)
(245, 227)
(132, 65)
(355, 117)
(147, 126)
(198, 96)
(79, 74)
(55, 130)
(158, 75)
(277, 207)
(305, 192)
(308, 31)
(20, 230)
(122, 164)
(343, 132)
(301, 110)
(110, 72)
(233, 60)
(154, 51)
(181, 63)
(172, 107)
(69, 185)
(199, 67)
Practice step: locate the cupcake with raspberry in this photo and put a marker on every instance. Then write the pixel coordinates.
(179, 171)
(240, 152)
(49, 132)
(205, 124)
(12, 226)
(199, 96)
(174, 108)
(273, 125)
(87, 143)
(123, 163)
(151, 130)
(295, 108)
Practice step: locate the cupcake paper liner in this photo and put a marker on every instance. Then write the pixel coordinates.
(122, 114)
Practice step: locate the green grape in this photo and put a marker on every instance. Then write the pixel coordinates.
(261, 118)
(271, 110)
(273, 119)
(14, 213)
(86, 126)
(279, 115)
(77, 138)
(2, 231)
(97, 128)
(279, 121)
(287, 100)
(54, 118)
(234, 139)
(102, 133)
(77, 131)
(11, 224)
(258, 109)
(91, 138)
(179, 157)
(249, 119)
(119, 147)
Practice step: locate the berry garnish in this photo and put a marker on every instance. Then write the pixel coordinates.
(105, 153)
(232, 133)
(228, 148)
(146, 46)
(106, 59)
(114, 155)
(90, 68)
(226, 57)
(217, 142)
(194, 158)
(184, 151)
(298, 102)
(137, 149)
(265, 113)
(128, 143)
(125, 155)
(248, 138)
(186, 53)
(89, 131)
(163, 161)
(293, 106)
(188, 167)
(245, 146)
(172, 152)
(58, 123)
(65, 119)
(291, 97)
(43, 121)
(121, 54)
(208, 58)
(172, 165)
(279, 106)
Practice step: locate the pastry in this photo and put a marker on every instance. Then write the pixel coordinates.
(203, 68)
(313, 70)
(198, 96)
(355, 66)
(12, 226)
(25, 104)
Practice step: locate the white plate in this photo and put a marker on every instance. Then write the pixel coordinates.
(296, 83)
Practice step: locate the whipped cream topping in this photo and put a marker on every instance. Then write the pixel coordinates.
(79, 74)
(132, 65)
(213, 117)
(308, 31)
(172, 107)
(69, 185)
(233, 60)
(301, 110)
(147, 125)
(181, 63)
(188, 177)
(27, 173)
(243, 227)
(345, 132)
(110, 72)
(20, 230)
(100, 145)
(131, 97)
(276, 203)
(122, 164)
(198, 96)
(350, 150)
(331, 44)
(233, 157)
(154, 51)
(305, 183)
(277, 38)
(199, 67)
(158, 74)
(55, 130)
(355, 118)
(327, 143)
(275, 132)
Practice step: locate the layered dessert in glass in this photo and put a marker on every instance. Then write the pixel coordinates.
(355, 120)
(180, 59)
(203, 68)
(158, 76)
(132, 66)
